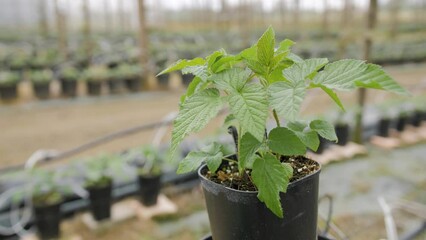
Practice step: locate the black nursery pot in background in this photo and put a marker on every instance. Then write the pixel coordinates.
(187, 78)
(8, 92)
(94, 88)
(235, 214)
(342, 132)
(42, 91)
(163, 80)
(149, 189)
(47, 221)
(133, 84)
(383, 127)
(400, 123)
(416, 118)
(69, 88)
(115, 85)
(100, 202)
(322, 146)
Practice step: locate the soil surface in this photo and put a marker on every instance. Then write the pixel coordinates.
(229, 176)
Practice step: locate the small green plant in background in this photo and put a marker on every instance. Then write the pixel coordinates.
(96, 73)
(100, 170)
(8, 78)
(46, 188)
(39, 77)
(70, 73)
(126, 71)
(260, 82)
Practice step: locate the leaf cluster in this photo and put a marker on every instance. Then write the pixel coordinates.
(265, 80)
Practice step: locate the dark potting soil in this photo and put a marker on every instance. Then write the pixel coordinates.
(228, 174)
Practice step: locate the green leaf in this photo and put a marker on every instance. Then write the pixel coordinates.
(256, 67)
(194, 159)
(286, 98)
(265, 47)
(247, 149)
(191, 89)
(324, 129)
(183, 63)
(199, 71)
(215, 155)
(250, 108)
(212, 58)
(234, 78)
(194, 114)
(332, 95)
(276, 75)
(341, 75)
(229, 120)
(294, 58)
(271, 177)
(283, 141)
(249, 53)
(305, 134)
(285, 45)
(300, 71)
(375, 77)
(223, 63)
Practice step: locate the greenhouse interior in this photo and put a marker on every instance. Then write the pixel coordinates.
(213, 119)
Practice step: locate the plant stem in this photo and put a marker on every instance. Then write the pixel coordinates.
(276, 118)
(229, 160)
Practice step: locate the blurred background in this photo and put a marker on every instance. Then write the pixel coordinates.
(78, 85)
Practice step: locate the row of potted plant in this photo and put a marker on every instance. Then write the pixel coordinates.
(50, 189)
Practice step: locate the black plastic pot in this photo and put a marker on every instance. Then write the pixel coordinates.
(100, 202)
(342, 132)
(416, 118)
(235, 214)
(42, 91)
(115, 85)
(322, 146)
(383, 127)
(133, 84)
(94, 88)
(400, 123)
(8, 92)
(69, 88)
(47, 221)
(149, 188)
(319, 238)
(163, 80)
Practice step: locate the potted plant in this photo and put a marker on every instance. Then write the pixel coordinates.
(41, 82)
(114, 81)
(131, 75)
(269, 189)
(18, 62)
(8, 85)
(149, 162)
(95, 76)
(99, 186)
(47, 199)
(402, 120)
(69, 76)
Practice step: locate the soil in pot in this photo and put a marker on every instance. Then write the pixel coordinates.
(94, 88)
(8, 92)
(42, 91)
(400, 123)
(235, 212)
(115, 85)
(69, 88)
(100, 202)
(47, 221)
(383, 127)
(149, 189)
(133, 84)
(342, 132)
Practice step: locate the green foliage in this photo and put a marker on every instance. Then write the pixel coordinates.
(126, 71)
(70, 73)
(8, 78)
(100, 169)
(211, 154)
(41, 76)
(152, 161)
(45, 187)
(259, 79)
(96, 73)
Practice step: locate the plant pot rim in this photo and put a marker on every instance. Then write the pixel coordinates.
(290, 185)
